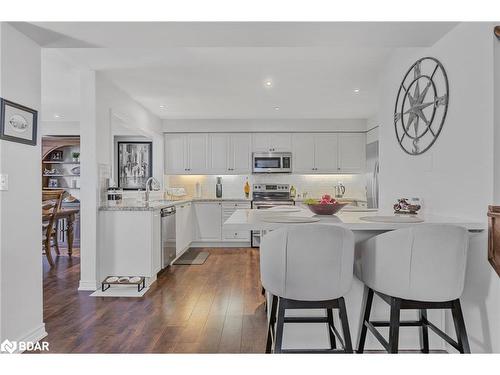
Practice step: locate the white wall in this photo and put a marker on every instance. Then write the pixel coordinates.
(286, 125)
(21, 310)
(455, 177)
(102, 104)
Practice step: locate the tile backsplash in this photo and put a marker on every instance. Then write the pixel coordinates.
(314, 185)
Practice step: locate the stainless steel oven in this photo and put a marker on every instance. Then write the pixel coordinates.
(272, 162)
(266, 196)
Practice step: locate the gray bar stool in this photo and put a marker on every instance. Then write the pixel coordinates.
(419, 268)
(308, 266)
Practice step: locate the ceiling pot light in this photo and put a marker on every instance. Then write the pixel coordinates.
(163, 106)
(356, 91)
(57, 115)
(268, 83)
(276, 108)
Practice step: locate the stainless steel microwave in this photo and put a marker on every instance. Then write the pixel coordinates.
(272, 162)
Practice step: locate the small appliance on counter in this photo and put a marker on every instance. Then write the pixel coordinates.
(218, 188)
(115, 196)
(339, 190)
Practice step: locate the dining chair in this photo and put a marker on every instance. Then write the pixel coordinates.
(51, 204)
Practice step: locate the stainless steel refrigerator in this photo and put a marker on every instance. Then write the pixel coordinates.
(372, 167)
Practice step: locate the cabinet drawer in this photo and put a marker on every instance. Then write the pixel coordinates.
(236, 235)
(235, 205)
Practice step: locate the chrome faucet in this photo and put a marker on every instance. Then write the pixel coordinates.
(151, 184)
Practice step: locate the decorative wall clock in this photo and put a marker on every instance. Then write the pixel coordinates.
(421, 106)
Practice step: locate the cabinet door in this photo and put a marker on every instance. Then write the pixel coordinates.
(156, 246)
(326, 153)
(188, 224)
(180, 218)
(280, 141)
(352, 152)
(219, 153)
(175, 154)
(240, 153)
(303, 153)
(198, 153)
(208, 221)
(261, 142)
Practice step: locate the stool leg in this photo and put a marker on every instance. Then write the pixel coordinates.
(367, 306)
(272, 321)
(345, 326)
(278, 340)
(424, 331)
(329, 315)
(458, 319)
(394, 325)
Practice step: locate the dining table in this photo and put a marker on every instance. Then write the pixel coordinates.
(70, 215)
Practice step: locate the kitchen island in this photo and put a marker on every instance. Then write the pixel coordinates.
(315, 335)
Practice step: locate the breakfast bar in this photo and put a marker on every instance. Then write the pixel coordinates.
(364, 224)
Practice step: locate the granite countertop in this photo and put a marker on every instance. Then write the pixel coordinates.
(133, 205)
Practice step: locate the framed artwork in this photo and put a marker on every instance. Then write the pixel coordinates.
(17, 123)
(135, 164)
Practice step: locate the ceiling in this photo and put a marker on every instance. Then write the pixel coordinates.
(217, 70)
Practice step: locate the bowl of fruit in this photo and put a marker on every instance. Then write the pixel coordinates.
(325, 206)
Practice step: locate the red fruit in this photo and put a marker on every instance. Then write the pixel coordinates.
(324, 201)
(326, 197)
(333, 201)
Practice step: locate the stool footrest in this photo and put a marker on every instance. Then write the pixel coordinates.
(408, 323)
(303, 319)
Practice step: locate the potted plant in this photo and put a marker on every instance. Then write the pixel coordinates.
(76, 157)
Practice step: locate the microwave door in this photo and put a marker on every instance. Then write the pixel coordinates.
(266, 163)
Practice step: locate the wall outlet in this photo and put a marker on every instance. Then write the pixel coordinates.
(4, 182)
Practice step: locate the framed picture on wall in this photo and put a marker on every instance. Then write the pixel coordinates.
(135, 164)
(17, 123)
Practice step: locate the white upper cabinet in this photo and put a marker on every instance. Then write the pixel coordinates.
(303, 153)
(175, 154)
(352, 152)
(197, 144)
(326, 153)
(315, 153)
(269, 142)
(240, 152)
(219, 153)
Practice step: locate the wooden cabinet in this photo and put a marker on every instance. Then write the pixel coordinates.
(208, 221)
(270, 142)
(183, 227)
(352, 152)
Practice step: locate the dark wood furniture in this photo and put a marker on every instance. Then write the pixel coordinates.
(51, 203)
(494, 237)
(398, 304)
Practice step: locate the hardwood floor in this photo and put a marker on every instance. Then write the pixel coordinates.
(211, 308)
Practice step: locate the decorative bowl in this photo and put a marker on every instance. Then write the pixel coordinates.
(327, 209)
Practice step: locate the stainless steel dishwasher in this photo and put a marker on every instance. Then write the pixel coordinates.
(168, 240)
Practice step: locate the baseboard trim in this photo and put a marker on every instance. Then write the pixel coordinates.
(220, 244)
(34, 336)
(88, 285)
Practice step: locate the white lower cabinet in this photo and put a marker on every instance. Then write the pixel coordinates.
(208, 221)
(210, 217)
(129, 244)
(228, 208)
(183, 227)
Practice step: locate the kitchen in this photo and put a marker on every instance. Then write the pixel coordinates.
(194, 159)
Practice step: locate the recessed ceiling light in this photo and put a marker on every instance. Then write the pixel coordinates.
(356, 91)
(268, 83)
(163, 106)
(276, 108)
(57, 115)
